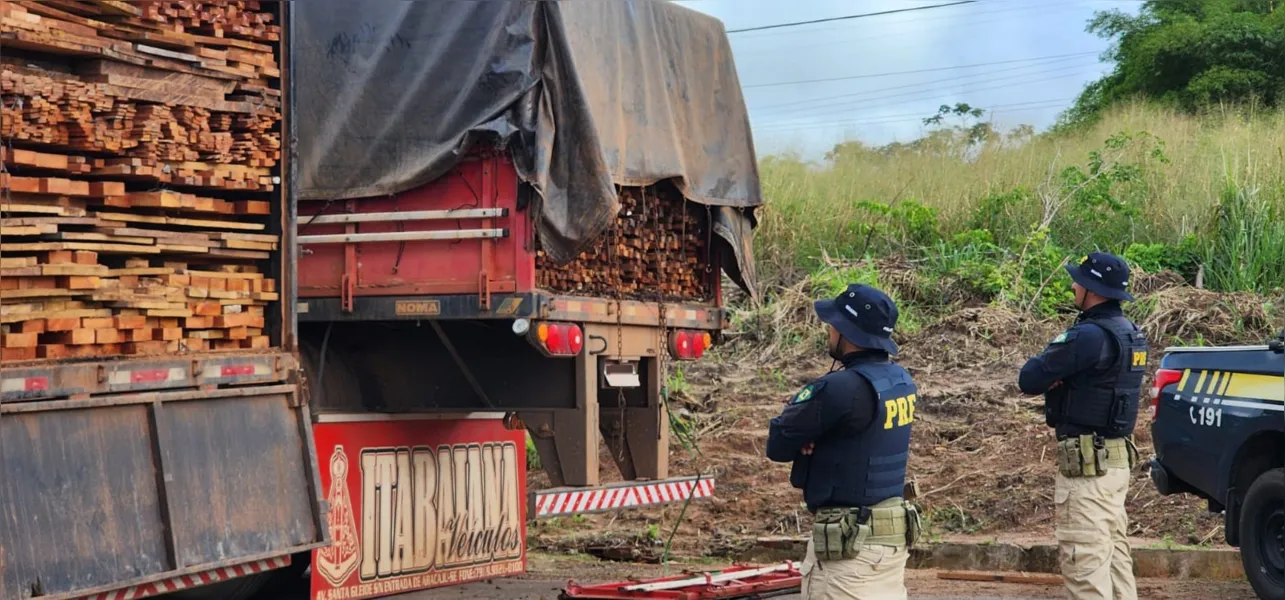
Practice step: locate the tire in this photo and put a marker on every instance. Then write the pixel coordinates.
(241, 588)
(1262, 535)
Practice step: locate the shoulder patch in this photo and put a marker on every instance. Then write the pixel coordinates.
(1065, 336)
(808, 392)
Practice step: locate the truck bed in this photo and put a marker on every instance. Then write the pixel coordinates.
(465, 247)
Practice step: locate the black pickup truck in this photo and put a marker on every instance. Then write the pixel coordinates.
(1219, 433)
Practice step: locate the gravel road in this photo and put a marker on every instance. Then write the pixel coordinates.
(547, 575)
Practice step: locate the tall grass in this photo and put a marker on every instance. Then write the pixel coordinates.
(1224, 182)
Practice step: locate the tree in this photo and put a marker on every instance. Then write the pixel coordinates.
(1189, 54)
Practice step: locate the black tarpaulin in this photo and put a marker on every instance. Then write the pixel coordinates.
(586, 94)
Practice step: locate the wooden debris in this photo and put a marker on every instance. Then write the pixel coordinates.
(1023, 578)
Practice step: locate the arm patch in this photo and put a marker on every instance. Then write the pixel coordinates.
(809, 392)
(1065, 337)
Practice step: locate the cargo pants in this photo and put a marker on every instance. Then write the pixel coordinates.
(1092, 535)
(875, 573)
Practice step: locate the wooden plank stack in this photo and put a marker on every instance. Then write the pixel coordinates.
(139, 146)
(656, 250)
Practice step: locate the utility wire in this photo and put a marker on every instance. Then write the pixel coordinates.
(859, 42)
(857, 98)
(847, 17)
(910, 117)
(943, 95)
(932, 70)
(916, 20)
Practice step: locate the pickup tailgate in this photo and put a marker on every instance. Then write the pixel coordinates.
(105, 492)
(1223, 394)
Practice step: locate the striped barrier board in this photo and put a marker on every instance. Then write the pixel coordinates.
(183, 582)
(574, 501)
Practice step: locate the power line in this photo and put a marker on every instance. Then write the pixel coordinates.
(908, 117)
(946, 94)
(847, 17)
(917, 19)
(857, 97)
(955, 24)
(932, 70)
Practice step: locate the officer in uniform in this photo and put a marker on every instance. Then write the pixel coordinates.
(1091, 378)
(848, 435)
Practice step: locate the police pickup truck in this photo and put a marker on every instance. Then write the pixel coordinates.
(1219, 433)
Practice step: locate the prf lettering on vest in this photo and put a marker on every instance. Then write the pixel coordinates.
(901, 412)
(422, 511)
(1140, 358)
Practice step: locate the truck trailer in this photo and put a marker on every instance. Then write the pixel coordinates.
(485, 224)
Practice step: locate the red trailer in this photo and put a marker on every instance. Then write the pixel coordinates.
(444, 185)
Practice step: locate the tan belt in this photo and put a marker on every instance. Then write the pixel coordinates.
(840, 532)
(1087, 456)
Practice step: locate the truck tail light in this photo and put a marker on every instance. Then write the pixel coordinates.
(560, 339)
(689, 345)
(1164, 377)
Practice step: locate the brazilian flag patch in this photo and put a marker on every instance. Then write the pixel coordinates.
(1063, 338)
(807, 393)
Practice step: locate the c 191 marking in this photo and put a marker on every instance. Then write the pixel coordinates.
(1207, 416)
(902, 409)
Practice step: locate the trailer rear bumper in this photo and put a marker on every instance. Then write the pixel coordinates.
(556, 502)
(536, 305)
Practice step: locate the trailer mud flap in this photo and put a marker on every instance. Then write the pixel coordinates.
(418, 502)
(111, 492)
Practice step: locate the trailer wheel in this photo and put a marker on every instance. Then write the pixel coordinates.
(241, 588)
(1262, 535)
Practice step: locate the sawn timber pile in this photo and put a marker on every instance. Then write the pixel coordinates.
(139, 145)
(658, 249)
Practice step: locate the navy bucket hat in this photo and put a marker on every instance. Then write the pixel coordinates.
(863, 315)
(1104, 274)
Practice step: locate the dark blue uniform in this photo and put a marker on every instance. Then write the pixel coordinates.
(1099, 388)
(859, 421)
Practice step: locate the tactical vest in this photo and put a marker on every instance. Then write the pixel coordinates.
(1106, 401)
(851, 468)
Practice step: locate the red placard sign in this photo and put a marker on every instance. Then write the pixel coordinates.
(418, 504)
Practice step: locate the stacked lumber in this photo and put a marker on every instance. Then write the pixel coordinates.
(655, 250)
(139, 146)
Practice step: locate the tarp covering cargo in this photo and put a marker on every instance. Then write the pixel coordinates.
(587, 94)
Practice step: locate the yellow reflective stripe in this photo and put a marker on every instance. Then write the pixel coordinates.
(1222, 390)
(1257, 387)
(1182, 385)
(1200, 383)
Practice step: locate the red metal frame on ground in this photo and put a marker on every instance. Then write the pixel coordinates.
(733, 582)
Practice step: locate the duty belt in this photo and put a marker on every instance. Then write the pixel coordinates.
(1092, 456)
(840, 532)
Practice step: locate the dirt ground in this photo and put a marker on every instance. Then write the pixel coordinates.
(547, 577)
(981, 453)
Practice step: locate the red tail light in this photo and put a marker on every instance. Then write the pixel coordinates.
(1164, 377)
(560, 339)
(689, 345)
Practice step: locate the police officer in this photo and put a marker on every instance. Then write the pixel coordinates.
(1091, 378)
(848, 435)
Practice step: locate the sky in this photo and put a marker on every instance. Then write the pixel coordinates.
(1024, 61)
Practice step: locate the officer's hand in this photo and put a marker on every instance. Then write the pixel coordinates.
(808, 448)
(1056, 384)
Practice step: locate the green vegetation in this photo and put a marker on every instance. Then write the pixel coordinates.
(995, 220)
(1189, 54)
